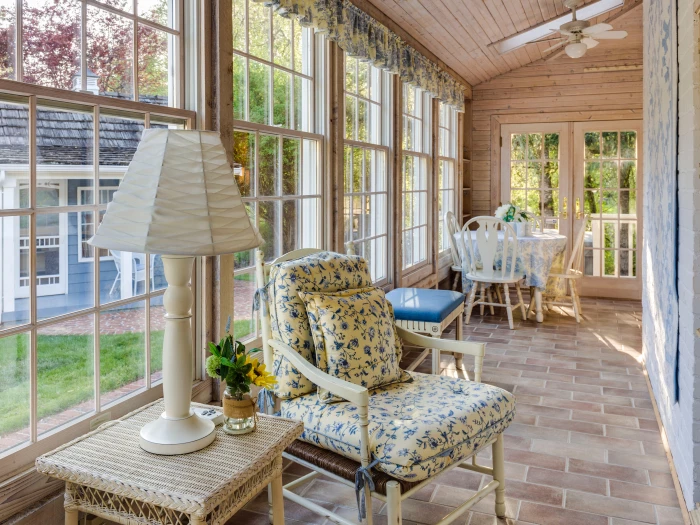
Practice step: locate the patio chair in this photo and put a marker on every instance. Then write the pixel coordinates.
(486, 273)
(452, 227)
(356, 440)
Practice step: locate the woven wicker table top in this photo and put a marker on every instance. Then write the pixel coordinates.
(111, 459)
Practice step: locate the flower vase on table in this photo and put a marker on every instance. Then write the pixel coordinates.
(232, 363)
(516, 217)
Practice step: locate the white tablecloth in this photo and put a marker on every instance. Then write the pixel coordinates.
(538, 255)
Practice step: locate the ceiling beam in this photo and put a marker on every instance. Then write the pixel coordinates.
(534, 33)
(630, 5)
(381, 17)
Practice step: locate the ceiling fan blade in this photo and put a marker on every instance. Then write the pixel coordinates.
(555, 46)
(590, 43)
(611, 35)
(597, 28)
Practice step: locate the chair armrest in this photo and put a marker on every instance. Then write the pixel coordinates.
(448, 345)
(356, 394)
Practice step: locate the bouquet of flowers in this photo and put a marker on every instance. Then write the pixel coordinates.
(231, 362)
(510, 213)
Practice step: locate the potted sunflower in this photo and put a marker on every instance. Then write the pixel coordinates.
(232, 363)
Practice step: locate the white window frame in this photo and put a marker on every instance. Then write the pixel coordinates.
(422, 152)
(314, 57)
(81, 215)
(382, 136)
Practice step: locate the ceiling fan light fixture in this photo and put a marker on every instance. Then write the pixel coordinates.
(576, 50)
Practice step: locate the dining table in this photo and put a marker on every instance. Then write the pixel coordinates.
(539, 254)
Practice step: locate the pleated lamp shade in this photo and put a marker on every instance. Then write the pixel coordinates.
(178, 197)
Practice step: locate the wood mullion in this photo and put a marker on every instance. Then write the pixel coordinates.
(397, 182)
(336, 79)
(433, 181)
(33, 364)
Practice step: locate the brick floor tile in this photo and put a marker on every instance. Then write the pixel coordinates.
(648, 424)
(567, 424)
(605, 419)
(656, 495)
(633, 433)
(602, 470)
(547, 515)
(669, 515)
(566, 480)
(537, 432)
(537, 391)
(608, 506)
(629, 411)
(532, 458)
(568, 450)
(661, 479)
(574, 405)
(657, 463)
(539, 410)
(608, 443)
(608, 400)
(574, 387)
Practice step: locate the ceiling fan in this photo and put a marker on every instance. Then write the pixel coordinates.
(579, 35)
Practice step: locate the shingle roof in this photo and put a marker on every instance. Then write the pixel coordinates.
(66, 138)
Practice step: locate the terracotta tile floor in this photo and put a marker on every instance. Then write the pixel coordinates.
(584, 449)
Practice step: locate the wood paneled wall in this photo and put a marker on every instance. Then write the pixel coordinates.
(606, 84)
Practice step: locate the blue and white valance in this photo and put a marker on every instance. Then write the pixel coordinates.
(363, 37)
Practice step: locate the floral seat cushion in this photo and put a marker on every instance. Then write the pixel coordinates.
(416, 429)
(322, 272)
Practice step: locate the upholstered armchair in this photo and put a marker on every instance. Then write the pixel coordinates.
(387, 440)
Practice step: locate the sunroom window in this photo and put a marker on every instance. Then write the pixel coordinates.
(277, 147)
(366, 164)
(447, 153)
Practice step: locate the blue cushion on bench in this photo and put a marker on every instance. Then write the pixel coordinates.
(424, 304)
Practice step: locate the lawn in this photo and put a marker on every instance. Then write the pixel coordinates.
(65, 370)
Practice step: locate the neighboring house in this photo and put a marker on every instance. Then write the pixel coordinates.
(64, 266)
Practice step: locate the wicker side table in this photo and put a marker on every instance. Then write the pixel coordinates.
(109, 475)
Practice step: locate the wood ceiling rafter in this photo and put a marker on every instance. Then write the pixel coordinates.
(459, 33)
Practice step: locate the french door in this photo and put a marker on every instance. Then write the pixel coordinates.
(567, 172)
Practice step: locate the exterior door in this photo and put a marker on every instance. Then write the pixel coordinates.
(608, 187)
(535, 171)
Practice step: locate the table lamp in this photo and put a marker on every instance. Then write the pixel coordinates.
(179, 199)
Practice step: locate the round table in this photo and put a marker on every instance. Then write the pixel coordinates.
(538, 253)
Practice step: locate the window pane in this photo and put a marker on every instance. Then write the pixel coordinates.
(628, 144)
(244, 161)
(258, 92)
(628, 174)
(156, 272)
(282, 38)
(51, 42)
(291, 219)
(158, 11)
(243, 291)
(282, 99)
(268, 156)
(610, 179)
(246, 259)
(534, 146)
(240, 87)
(362, 120)
(156, 333)
(268, 225)
(14, 390)
(154, 76)
(238, 25)
(14, 151)
(14, 285)
(65, 372)
(363, 79)
(592, 144)
(610, 144)
(551, 146)
(291, 158)
(122, 351)
(8, 22)
(517, 149)
(110, 52)
(119, 138)
(592, 177)
(350, 74)
(122, 275)
(350, 109)
(259, 30)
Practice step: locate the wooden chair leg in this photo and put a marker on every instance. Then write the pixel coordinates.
(498, 294)
(523, 312)
(509, 308)
(499, 474)
(574, 301)
(482, 298)
(470, 301)
(490, 296)
(393, 503)
(458, 336)
(456, 280)
(531, 306)
(578, 298)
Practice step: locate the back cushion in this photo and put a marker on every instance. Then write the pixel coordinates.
(323, 272)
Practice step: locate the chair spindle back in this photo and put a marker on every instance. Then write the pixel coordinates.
(452, 227)
(486, 237)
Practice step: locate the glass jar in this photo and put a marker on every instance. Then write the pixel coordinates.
(239, 412)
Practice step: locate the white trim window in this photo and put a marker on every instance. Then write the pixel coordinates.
(276, 141)
(128, 49)
(366, 165)
(447, 160)
(416, 183)
(86, 222)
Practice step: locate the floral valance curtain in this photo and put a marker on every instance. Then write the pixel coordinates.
(363, 37)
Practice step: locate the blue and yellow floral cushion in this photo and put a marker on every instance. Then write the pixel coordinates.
(416, 429)
(355, 338)
(319, 272)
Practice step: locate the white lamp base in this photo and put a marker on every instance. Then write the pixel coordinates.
(166, 436)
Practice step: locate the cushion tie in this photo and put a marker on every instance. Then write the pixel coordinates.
(363, 476)
(266, 400)
(260, 299)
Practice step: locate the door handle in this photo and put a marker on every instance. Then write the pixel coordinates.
(565, 209)
(578, 209)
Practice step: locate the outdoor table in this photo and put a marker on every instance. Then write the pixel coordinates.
(539, 254)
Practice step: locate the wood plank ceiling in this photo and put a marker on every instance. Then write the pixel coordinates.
(458, 32)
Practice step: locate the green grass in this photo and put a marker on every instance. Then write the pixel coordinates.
(242, 328)
(65, 371)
